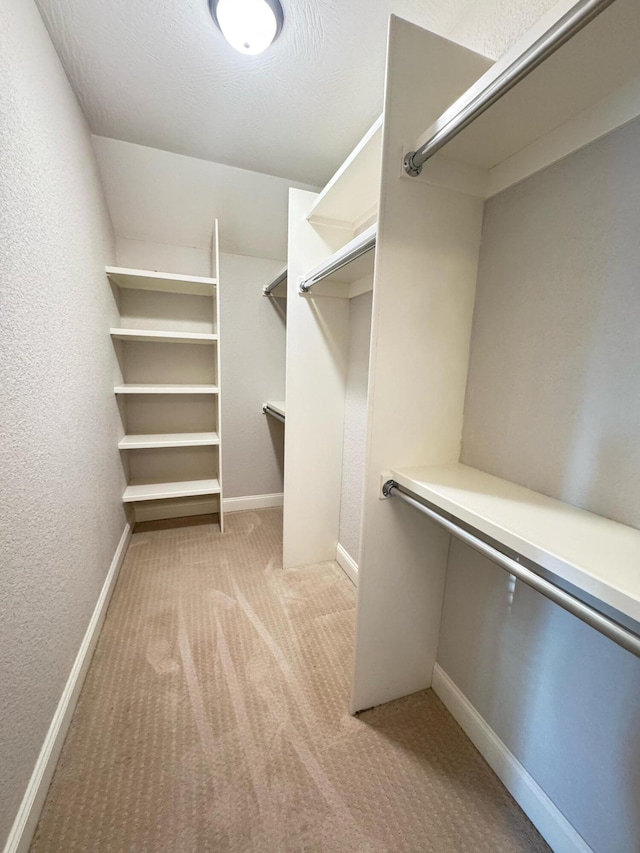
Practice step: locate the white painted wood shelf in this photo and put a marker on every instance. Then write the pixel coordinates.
(188, 285)
(163, 337)
(598, 556)
(594, 79)
(166, 389)
(360, 269)
(350, 199)
(176, 439)
(163, 491)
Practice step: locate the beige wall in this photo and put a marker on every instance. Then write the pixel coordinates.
(553, 403)
(60, 510)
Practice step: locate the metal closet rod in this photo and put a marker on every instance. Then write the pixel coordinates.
(605, 625)
(269, 411)
(268, 288)
(353, 254)
(563, 30)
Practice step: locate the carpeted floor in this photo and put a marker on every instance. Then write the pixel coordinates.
(214, 718)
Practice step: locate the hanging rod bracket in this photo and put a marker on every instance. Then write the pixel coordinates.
(387, 487)
(410, 167)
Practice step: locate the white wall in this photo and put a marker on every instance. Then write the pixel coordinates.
(253, 361)
(355, 425)
(60, 510)
(163, 207)
(553, 403)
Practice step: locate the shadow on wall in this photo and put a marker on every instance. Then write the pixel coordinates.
(276, 433)
(564, 699)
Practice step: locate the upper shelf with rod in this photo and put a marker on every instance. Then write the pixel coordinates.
(350, 265)
(573, 78)
(590, 558)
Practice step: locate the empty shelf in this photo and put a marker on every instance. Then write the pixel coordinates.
(165, 389)
(278, 406)
(351, 196)
(353, 261)
(596, 555)
(176, 439)
(161, 491)
(163, 337)
(192, 285)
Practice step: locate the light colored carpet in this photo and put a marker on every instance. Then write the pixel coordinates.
(214, 718)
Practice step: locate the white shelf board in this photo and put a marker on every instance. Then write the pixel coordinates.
(163, 337)
(191, 285)
(277, 406)
(176, 439)
(580, 77)
(596, 555)
(165, 389)
(351, 196)
(162, 491)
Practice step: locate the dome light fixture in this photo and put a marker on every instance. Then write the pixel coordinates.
(249, 26)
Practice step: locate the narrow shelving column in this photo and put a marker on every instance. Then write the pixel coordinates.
(170, 394)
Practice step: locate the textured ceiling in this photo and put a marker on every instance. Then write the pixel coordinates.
(158, 73)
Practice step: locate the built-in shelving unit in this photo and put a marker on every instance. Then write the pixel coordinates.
(180, 472)
(596, 555)
(595, 81)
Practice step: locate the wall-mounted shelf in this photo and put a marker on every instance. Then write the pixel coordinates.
(163, 337)
(590, 86)
(190, 285)
(598, 556)
(350, 199)
(175, 439)
(163, 491)
(166, 389)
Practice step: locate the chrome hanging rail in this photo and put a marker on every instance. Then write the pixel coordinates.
(354, 249)
(267, 410)
(604, 624)
(268, 289)
(564, 29)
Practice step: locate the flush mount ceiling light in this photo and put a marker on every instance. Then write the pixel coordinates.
(249, 26)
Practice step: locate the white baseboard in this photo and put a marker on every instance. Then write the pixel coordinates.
(347, 564)
(28, 815)
(541, 811)
(252, 502)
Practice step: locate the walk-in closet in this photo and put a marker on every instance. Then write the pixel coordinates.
(320, 435)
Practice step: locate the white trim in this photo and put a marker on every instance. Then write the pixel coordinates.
(252, 502)
(347, 564)
(545, 816)
(26, 820)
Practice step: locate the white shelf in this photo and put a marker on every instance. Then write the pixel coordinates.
(598, 556)
(567, 102)
(161, 281)
(165, 389)
(162, 491)
(176, 439)
(277, 406)
(351, 197)
(163, 337)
